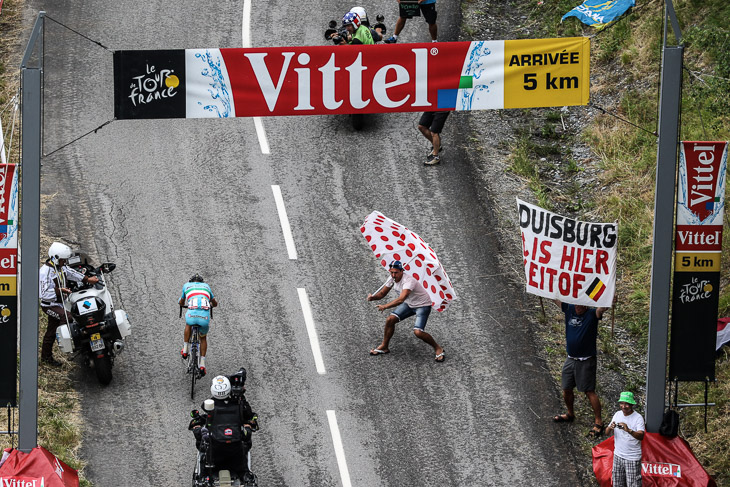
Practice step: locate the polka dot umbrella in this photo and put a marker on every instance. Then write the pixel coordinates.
(389, 240)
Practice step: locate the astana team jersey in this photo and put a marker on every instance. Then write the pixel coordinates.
(197, 297)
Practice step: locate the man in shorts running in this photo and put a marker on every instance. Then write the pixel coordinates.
(427, 8)
(431, 124)
(198, 297)
(412, 300)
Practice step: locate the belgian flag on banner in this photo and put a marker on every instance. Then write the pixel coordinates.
(595, 290)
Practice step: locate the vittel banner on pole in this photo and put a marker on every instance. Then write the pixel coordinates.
(698, 247)
(567, 259)
(320, 80)
(8, 288)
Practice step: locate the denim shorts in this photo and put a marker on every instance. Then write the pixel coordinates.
(403, 311)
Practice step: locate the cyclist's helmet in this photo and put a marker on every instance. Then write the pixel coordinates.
(197, 278)
(221, 387)
(351, 18)
(58, 251)
(361, 13)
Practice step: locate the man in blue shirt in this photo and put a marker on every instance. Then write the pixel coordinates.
(425, 7)
(579, 369)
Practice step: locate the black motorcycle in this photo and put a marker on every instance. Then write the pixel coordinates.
(338, 35)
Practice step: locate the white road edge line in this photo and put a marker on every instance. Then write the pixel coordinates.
(284, 220)
(339, 450)
(246, 41)
(311, 330)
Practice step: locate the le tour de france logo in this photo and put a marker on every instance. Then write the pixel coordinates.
(154, 84)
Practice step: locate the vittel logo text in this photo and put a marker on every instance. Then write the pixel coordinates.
(357, 78)
(15, 482)
(661, 469)
(702, 187)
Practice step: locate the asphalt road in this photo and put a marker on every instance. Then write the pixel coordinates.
(164, 199)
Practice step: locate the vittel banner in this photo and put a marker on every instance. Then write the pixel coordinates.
(318, 80)
(698, 247)
(8, 279)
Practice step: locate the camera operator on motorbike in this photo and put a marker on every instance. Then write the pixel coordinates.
(353, 31)
(52, 286)
(223, 432)
(198, 297)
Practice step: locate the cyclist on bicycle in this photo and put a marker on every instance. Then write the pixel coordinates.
(198, 297)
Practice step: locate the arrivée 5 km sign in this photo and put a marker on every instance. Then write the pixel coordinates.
(318, 80)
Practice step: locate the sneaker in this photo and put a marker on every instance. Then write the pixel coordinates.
(432, 160)
(440, 150)
(202, 371)
(51, 361)
(391, 40)
(249, 479)
(184, 355)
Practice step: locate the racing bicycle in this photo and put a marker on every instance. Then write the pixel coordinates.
(192, 361)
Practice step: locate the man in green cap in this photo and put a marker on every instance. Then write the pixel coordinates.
(627, 440)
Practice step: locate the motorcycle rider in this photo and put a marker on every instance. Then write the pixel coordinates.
(198, 297)
(52, 286)
(357, 33)
(226, 429)
(375, 32)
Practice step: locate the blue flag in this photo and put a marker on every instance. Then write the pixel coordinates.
(598, 13)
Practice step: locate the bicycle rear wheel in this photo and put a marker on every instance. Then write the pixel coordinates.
(195, 343)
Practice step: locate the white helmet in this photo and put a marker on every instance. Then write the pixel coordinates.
(221, 387)
(58, 251)
(361, 13)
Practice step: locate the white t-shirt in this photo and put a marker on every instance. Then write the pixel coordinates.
(625, 445)
(418, 296)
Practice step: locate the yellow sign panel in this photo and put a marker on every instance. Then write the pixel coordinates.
(697, 262)
(546, 72)
(8, 286)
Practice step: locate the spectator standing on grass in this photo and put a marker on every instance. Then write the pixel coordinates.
(627, 440)
(579, 369)
(431, 124)
(427, 8)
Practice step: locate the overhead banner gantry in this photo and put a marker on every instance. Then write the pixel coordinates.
(321, 80)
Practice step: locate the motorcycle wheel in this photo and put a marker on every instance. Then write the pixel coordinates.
(358, 121)
(103, 368)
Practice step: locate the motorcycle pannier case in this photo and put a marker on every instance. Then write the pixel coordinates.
(125, 329)
(63, 337)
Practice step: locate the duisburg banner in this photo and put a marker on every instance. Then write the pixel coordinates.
(698, 249)
(8, 278)
(321, 80)
(566, 259)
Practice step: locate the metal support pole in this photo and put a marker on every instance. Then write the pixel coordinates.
(664, 210)
(30, 216)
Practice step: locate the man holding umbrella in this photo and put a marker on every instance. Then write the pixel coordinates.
(412, 299)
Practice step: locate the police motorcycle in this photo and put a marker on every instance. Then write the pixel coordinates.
(97, 331)
(339, 35)
(222, 438)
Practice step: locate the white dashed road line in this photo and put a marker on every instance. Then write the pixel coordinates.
(311, 330)
(284, 220)
(246, 41)
(339, 450)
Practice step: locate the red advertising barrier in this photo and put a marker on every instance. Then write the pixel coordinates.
(35, 469)
(665, 462)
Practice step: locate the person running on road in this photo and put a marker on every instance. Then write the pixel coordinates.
(427, 8)
(412, 300)
(199, 299)
(431, 124)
